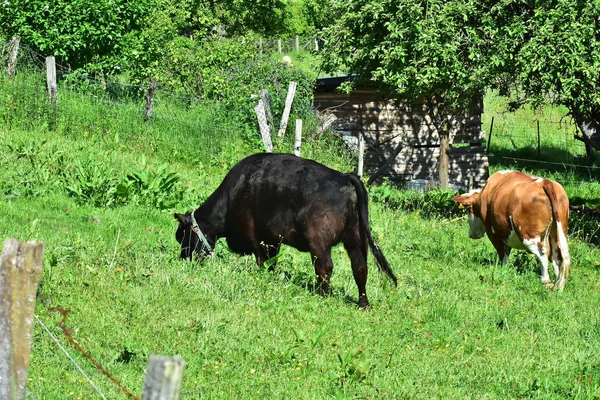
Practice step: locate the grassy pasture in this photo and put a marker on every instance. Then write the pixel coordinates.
(457, 326)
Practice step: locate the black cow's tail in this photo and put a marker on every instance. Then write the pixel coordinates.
(363, 218)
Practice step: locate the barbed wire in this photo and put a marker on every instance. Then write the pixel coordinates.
(77, 366)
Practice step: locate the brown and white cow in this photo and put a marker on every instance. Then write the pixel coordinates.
(521, 211)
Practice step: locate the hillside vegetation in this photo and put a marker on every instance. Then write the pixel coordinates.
(99, 186)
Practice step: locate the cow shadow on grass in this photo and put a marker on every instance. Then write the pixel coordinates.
(308, 283)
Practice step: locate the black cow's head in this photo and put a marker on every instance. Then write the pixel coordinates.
(191, 237)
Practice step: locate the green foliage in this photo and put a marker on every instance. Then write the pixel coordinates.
(429, 203)
(92, 182)
(415, 48)
(154, 188)
(565, 74)
(231, 72)
(77, 32)
(457, 326)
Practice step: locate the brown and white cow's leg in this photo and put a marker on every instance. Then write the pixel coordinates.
(502, 250)
(537, 247)
(563, 258)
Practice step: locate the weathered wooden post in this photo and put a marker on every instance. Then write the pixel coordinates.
(150, 99)
(297, 43)
(51, 78)
(264, 96)
(163, 378)
(265, 131)
(20, 273)
(316, 43)
(298, 141)
(12, 55)
(288, 106)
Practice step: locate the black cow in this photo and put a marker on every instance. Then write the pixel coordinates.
(270, 199)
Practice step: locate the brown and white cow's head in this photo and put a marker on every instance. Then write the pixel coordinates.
(470, 201)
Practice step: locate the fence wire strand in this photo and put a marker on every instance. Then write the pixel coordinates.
(81, 371)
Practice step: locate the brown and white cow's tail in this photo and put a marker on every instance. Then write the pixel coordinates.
(560, 213)
(363, 217)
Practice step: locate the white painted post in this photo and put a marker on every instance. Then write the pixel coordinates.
(20, 273)
(288, 106)
(51, 78)
(279, 45)
(163, 378)
(297, 43)
(316, 43)
(298, 141)
(361, 154)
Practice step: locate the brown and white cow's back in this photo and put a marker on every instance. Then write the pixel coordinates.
(521, 211)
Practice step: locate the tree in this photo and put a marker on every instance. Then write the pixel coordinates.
(538, 51)
(77, 32)
(420, 49)
(550, 52)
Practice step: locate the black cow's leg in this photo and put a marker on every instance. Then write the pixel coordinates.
(358, 260)
(323, 269)
(263, 252)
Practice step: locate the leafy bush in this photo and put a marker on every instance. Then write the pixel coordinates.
(92, 183)
(155, 188)
(430, 203)
(232, 72)
(41, 168)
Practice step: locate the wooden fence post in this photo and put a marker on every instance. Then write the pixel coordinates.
(51, 78)
(539, 141)
(20, 273)
(297, 43)
(150, 99)
(316, 43)
(12, 55)
(263, 125)
(279, 45)
(288, 106)
(163, 378)
(490, 135)
(264, 96)
(298, 141)
(361, 154)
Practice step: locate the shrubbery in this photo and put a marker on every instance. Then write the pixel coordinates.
(430, 203)
(42, 168)
(233, 72)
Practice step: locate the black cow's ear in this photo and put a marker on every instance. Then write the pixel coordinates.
(180, 217)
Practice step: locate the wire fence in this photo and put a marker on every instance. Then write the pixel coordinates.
(95, 104)
(544, 141)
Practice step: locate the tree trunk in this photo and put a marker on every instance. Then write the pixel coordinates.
(589, 125)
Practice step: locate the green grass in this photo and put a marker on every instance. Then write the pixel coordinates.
(457, 326)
